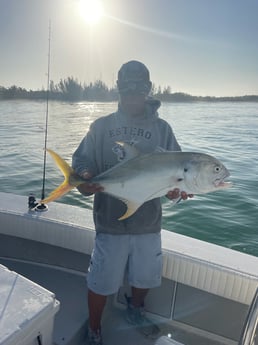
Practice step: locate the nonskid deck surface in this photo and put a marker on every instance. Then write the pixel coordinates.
(72, 319)
(117, 331)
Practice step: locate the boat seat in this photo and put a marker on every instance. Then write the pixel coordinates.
(167, 341)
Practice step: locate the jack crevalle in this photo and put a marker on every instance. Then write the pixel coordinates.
(143, 177)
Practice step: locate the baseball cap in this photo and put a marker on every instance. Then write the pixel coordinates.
(134, 77)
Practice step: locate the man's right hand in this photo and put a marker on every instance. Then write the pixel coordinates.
(89, 188)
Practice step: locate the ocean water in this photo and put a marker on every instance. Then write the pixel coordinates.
(228, 131)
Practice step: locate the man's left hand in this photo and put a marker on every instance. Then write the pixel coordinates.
(176, 193)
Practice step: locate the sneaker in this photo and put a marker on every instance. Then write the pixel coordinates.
(136, 316)
(94, 338)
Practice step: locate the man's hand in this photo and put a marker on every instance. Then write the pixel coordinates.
(89, 188)
(176, 193)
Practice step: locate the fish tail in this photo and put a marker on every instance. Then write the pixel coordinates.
(66, 185)
(61, 190)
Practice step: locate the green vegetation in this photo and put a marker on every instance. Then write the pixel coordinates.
(71, 90)
(66, 90)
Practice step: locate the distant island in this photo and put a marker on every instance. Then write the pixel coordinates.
(71, 90)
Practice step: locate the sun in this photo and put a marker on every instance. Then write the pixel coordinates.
(91, 10)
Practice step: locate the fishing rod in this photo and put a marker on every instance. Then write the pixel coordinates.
(32, 204)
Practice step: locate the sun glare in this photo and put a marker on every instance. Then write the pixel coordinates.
(91, 10)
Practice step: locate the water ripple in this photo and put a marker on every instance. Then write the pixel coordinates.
(225, 130)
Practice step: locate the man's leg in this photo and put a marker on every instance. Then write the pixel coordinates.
(136, 313)
(138, 296)
(145, 268)
(105, 275)
(96, 305)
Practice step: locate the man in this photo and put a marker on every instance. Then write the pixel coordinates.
(132, 245)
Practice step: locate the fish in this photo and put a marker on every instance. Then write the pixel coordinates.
(144, 176)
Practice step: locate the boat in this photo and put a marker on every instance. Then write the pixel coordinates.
(208, 294)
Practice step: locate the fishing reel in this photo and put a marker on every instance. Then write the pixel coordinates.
(33, 205)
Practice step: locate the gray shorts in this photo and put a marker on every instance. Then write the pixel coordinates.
(114, 257)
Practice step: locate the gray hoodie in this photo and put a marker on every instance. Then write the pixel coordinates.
(99, 151)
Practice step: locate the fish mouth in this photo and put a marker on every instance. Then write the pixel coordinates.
(221, 183)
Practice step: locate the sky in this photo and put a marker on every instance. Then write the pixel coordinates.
(200, 47)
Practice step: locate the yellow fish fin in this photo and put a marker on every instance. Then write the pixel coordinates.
(62, 164)
(71, 179)
(132, 207)
(64, 188)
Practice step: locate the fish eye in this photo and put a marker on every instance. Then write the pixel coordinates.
(217, 168)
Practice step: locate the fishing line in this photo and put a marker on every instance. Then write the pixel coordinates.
(47, 106)
(32, 204)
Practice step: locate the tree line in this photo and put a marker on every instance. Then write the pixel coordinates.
(71, 90)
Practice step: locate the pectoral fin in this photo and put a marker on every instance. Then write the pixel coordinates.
(132, 207)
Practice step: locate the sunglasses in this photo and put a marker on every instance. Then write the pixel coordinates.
(134, 87)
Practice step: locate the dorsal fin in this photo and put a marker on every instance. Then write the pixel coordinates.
(130, 150)
(160, 149)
